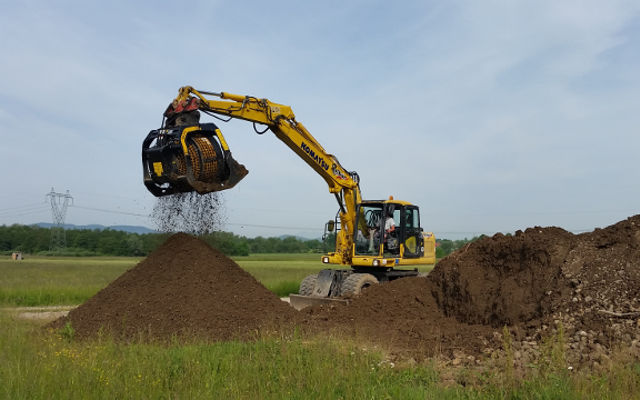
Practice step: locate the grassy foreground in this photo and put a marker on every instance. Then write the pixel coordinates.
(36, 364)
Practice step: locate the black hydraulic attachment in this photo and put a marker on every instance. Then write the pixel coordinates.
(190, 158)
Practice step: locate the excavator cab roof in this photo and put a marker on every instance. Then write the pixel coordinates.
(391, 201)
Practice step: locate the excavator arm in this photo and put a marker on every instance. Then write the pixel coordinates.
(281, 121)
(186, 156)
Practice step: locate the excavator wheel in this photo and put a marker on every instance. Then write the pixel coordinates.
(307, 285)
(354, 283)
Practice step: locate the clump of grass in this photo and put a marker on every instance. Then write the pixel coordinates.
(67, 331)
(553, 353)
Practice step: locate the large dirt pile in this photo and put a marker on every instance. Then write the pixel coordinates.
(504, 279)
(184, 288)
(545, 278)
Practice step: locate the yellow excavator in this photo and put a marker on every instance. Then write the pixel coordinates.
(379, 240)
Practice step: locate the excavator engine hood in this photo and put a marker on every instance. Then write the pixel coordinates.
(189, 158)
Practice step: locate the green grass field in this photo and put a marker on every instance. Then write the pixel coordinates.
(38, 281)
(40, 364)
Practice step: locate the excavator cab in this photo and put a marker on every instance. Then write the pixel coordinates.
(371, 238)
(184, 158)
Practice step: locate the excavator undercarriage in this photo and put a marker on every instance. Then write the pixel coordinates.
(341, 285)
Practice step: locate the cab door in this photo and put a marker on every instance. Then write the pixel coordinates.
(411, 233)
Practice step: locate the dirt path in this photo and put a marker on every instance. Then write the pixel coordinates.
(50, 313)
(42, 313)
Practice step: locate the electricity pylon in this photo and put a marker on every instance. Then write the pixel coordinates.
(59, 204)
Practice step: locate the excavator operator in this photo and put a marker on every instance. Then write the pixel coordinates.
(389, 224)
(390, 239)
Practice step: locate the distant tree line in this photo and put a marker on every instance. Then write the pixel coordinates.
(84, 242)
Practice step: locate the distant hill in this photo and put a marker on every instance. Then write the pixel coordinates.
(124, 228)
(144, 229)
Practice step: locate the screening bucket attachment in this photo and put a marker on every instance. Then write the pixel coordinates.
(189, 158)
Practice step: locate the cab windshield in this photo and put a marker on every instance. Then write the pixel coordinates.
(368, 226)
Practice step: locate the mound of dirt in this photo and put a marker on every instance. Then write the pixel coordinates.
(184, 288)
(514, 279)
(503, 280)
(403, 316)
(546, 280)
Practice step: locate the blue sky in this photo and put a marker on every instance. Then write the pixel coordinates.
(491, 116)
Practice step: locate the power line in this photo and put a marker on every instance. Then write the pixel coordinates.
(104, 210)
(271, 226)
(2, 210)
(25, 210)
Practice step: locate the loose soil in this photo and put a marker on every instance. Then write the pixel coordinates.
(184, 288)
(540, 283)
(546, 282)
(189, 212)
(403, 316)
(504, 280)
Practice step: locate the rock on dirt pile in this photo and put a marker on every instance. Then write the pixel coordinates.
(184, 288)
